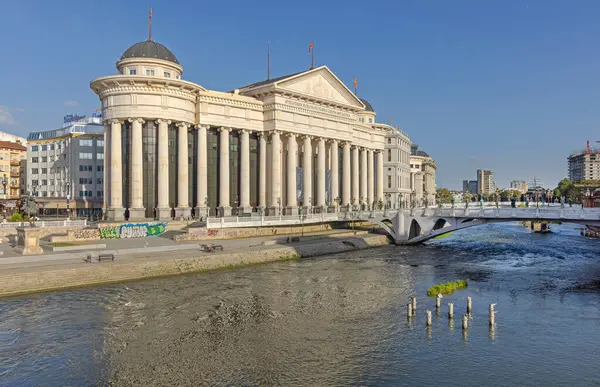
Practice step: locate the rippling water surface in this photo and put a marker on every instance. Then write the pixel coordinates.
(335, 320)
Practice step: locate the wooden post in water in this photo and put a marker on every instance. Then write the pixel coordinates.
(450, 310)
(414, 304)
(438, 301)
(465, 321)
(428, 318)
(409, 310)
(492, 315)
(469, 304)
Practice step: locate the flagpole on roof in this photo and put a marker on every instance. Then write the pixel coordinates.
(150, 25)
(268, 60)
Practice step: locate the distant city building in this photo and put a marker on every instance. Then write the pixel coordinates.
(4, 136)
(585, 165)
(68, 163)
(485, 182)
(470, 186)
(396, 166)
(519, 185)
(12, 154)
(423, 173)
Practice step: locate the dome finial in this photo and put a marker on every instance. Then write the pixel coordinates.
(150, 25)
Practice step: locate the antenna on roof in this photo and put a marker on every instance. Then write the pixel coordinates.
(150, 25)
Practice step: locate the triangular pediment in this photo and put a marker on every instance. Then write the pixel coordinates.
(320, 83)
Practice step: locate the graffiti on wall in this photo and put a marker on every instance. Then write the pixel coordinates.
(132, 230)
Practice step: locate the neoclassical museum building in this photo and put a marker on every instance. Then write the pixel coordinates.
(175, 149)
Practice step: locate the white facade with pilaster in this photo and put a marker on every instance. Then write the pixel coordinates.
(299, 140)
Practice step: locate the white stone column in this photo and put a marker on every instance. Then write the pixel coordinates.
(116, 211)
(292, 157)
(370, 179)
(201, 172)
(163, 212)
(224, 206)
(379, 176)
(335, 180)
(355, 177)
(321, 173)
(245, 171)
(262, 172)
(419, 189)
(363, 176)
(183, 203)
(107, 162)
(275, 172)
(346, 178)
(307, 199)
(136, 209)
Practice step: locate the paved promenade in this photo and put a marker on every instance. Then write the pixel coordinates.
(134, 259)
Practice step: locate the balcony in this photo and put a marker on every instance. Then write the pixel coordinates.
(15, 174)
(15, 162)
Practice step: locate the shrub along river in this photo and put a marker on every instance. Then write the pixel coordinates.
(334, 320)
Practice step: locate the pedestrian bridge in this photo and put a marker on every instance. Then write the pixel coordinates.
(420, 224)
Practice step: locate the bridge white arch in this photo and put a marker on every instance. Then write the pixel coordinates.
(421, 224)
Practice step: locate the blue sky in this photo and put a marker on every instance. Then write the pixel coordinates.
(510, 86)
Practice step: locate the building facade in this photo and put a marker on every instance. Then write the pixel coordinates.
(396, 166)
(519, 185)
(485, 182)
(9, 137)
(12, 154)
(173, 146)
(66, 167)
(470, 186)
(423, 171)
(585, 165)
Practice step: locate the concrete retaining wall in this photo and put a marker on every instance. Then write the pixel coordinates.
(39, 279)
(201, 233)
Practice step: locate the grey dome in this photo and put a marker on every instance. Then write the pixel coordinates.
(149, 49)
(422, 154)
(368, 106)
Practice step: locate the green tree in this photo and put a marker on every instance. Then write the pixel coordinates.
(444, 195)
(567, 189)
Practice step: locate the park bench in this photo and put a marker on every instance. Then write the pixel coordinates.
(106, 257)
(211, 249)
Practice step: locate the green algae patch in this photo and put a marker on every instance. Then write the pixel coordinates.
(447, 288)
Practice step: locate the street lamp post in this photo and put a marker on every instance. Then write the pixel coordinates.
(68, 201)
(4, 182)
(34, 192)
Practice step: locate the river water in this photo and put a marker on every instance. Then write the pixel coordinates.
(336, 320)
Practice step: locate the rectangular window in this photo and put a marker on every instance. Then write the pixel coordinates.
(100, 194)
(85, 156)
(34, 182)
(81, 194)
(99, 180)
(44, 194)
(389, 182)
(85, 168)
(150, 72)
(34, 159)
(34, 171)
(51, 146)
(44, 159)
(167, 74)
(389, 140)
(85, 142)
(100, 143)
(100, 168)
(35, 148)
(132, 71)
(44, 170)
(99, 156)
(389, 155)
(44, 182)
(44, 148)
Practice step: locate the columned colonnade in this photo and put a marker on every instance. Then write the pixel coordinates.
(361, 172)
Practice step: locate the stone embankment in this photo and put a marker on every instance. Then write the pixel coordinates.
(141, 266)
